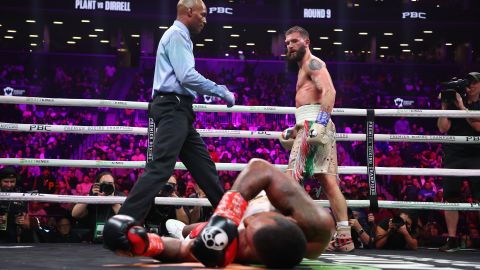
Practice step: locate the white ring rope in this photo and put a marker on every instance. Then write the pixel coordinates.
(233, 133)
(70, 102)
(119, 104)
(204, 202)
(232, 167)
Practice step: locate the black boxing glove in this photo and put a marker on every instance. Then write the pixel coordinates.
(217, 244)
(124, 237)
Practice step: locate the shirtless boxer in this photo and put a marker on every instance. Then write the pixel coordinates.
(312, 140)
(265, 218)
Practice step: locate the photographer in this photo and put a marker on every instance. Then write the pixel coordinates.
(362, 229)
(159, 214)
(95, 215)
(396, 233)
(14, 220)
(460, 156)
(199, 213)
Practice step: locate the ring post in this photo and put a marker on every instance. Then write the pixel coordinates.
(372, 183)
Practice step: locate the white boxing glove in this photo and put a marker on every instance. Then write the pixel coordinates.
(288, 137)
(317, 133)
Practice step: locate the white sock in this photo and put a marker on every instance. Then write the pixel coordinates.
(342, 224)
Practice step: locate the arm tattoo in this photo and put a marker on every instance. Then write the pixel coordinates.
(315, 64)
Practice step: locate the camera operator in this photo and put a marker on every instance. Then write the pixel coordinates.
(460, 156)
(159, 214)
(95, 215)
(396, 233)
(14, 220)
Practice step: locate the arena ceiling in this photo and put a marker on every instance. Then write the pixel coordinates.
(247, 28)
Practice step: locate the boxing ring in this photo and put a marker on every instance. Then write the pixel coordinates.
(360, 259)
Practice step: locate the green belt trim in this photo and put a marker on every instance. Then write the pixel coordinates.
(310, 158)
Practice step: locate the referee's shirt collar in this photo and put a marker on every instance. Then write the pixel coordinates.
(182, 26)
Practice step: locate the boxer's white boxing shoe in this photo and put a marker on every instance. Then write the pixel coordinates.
(174, 228)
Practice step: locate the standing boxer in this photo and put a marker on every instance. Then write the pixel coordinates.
(312, 140)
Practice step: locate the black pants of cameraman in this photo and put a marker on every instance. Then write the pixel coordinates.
(175, 137)
(453, 184)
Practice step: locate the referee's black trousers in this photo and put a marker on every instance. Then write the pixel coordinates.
(175, 137)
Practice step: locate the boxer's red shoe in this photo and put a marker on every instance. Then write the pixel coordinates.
(342, 241)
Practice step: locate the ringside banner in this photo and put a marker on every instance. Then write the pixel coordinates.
(122, 6)
(252, 11)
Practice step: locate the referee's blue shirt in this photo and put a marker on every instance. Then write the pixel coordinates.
(175, 66)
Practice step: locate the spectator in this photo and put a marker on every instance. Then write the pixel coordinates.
(213, 153)
(138, 156)
(431, 236)
(197, 213)
(63, 232)
(95, 215)
(409, 190)
(396, 233)
(46, 182)
(402, 126)
(159, 214)
(84, 187)
(426, 193)
(14, 219)
(362, 234)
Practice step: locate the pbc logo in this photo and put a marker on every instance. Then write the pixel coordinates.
(473, 138)
(414, 15)
(40, 127)
(261, 132)
(220, 10)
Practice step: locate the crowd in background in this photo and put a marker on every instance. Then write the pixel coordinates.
(355, 89)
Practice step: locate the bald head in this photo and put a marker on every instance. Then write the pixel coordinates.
(184, 5)
(193, 14)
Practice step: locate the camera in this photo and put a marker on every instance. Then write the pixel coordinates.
(106, 188)
(3, 209)
(397, 222)
(451, 88)
(167, 190)
(454, 86)
(16, 208)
